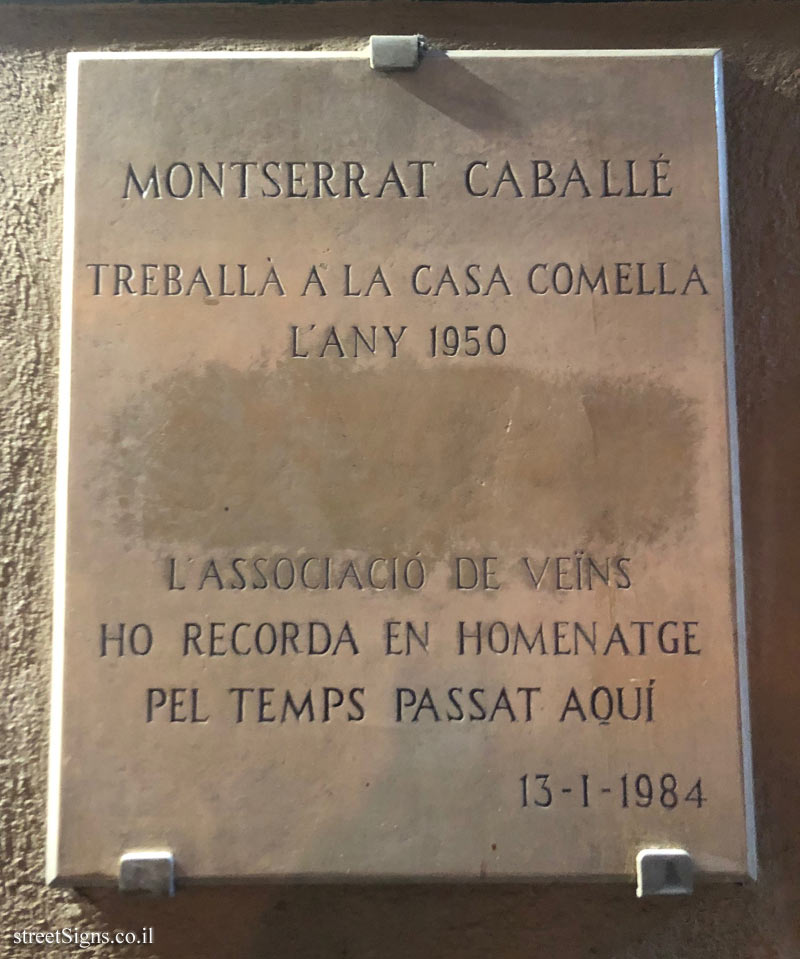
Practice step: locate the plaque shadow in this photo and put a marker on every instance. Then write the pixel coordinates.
(463, 96)
(402, 921)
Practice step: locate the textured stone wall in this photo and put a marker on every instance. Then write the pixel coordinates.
(761, 40)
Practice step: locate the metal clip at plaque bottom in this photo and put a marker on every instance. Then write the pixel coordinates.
(147, 872)
(664, 872)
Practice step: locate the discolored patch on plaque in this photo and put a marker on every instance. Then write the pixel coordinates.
(397, 501)
(568, 455)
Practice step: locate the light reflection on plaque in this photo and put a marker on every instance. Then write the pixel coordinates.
(395, 533)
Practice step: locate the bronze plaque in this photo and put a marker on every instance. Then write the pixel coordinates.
(397, 501)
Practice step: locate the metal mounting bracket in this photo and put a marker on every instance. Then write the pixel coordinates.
(150, 872)
(664, 872)
(387, 53)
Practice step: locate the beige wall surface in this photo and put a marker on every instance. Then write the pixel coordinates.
(761, 41)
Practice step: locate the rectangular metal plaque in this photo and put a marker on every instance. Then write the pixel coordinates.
(397, 496)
